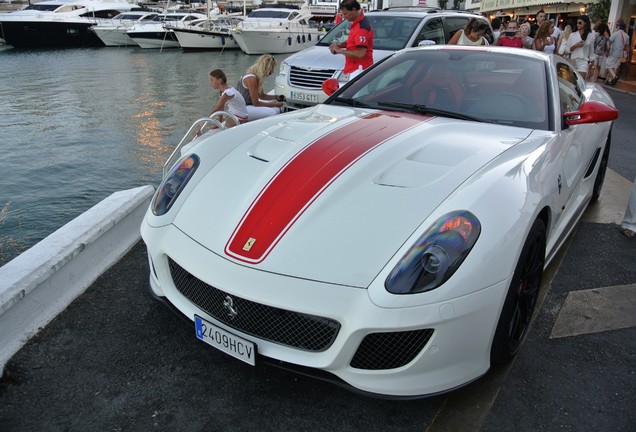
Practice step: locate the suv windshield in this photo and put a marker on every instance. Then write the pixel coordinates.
(390, 33)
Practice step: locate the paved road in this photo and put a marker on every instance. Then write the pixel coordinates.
(116, 360)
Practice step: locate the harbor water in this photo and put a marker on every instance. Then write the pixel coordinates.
(77, 125)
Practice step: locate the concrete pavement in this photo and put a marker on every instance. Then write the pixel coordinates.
(117, 360)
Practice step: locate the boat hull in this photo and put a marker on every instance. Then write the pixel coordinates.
(155, 39)
(203, 40)
(271, 42)
(114, 36)
(49, 34)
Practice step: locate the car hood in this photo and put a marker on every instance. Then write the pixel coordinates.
(331, 193)
(320, 58)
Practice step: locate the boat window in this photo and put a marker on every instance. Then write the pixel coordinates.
(101, 14)
(42, 7)
(268, 14)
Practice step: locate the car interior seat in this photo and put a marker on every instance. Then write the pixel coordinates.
(440, 89)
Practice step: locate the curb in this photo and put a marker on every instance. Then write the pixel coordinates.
(41, 282)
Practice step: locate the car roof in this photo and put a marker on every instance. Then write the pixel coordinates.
(421, 11)
(485, 48)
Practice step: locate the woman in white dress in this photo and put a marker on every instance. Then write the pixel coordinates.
(580, 45)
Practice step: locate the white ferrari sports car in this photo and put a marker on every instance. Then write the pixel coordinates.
(393, 239)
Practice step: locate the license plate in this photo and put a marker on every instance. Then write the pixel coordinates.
(304, 97)
(225, 341)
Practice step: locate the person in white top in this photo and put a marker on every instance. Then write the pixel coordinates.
(472, 34)
(230, 100)
(619, 41)
(543, 40)
(580, 45)
(259, 104)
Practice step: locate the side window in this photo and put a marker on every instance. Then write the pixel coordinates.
(570, 91)
(433, 30)
(453, 24)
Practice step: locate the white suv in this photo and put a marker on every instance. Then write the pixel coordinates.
(301, 75)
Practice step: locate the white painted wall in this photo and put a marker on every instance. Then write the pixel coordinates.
(41, 282)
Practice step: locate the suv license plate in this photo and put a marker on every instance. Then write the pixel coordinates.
(225, 341)
(303, 97)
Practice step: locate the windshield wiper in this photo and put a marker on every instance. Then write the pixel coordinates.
(423, 109)
(351, 102)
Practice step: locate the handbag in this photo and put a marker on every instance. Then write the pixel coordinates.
(624, 58)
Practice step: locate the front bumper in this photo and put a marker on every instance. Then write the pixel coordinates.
(447, 344)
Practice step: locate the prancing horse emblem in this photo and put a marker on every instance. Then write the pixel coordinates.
(228, 304)
(248, 245)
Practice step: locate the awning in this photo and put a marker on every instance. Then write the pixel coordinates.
(529, 7)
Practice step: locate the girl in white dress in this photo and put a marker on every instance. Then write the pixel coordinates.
(230, 100)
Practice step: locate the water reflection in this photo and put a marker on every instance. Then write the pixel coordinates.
(77, 125)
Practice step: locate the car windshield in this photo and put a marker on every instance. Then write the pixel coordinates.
(390, 33)
(477, 85)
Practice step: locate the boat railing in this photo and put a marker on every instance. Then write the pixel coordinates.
(193, 132)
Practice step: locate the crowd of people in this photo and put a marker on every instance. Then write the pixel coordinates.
(595, 50)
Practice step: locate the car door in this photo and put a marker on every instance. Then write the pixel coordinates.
(578, 143)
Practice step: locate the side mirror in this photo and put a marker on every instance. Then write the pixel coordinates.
(426, 42)
(591, 112)
(330, 86)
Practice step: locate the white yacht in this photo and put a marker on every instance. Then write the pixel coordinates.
(207, 34)
(113, 32)
(276, 30)
(154, 34)
(59, 23)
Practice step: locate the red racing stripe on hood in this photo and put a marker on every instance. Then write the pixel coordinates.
(303, 178)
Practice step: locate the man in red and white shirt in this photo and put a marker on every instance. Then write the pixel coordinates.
(358, 49)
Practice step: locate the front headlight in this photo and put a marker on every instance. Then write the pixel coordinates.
(173, 184)
(436, 255)
(283, 68)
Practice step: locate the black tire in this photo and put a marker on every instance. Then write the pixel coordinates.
(602, 169)
(516, 314)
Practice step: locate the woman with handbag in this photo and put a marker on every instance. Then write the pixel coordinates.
(619, 41)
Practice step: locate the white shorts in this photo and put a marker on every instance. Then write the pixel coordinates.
(612, 62)
(580, 65)
(259, 112)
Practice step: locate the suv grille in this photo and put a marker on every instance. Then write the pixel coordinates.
(309, 79)
(390, 350)
(297, 330)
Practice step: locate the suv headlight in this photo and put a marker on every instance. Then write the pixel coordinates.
(436, 255)
(284, 68)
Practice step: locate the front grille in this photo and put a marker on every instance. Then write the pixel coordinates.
(297, 330)
(379, 351)
(309, 79)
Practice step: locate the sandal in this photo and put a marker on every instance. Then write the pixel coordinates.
(628, 233)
